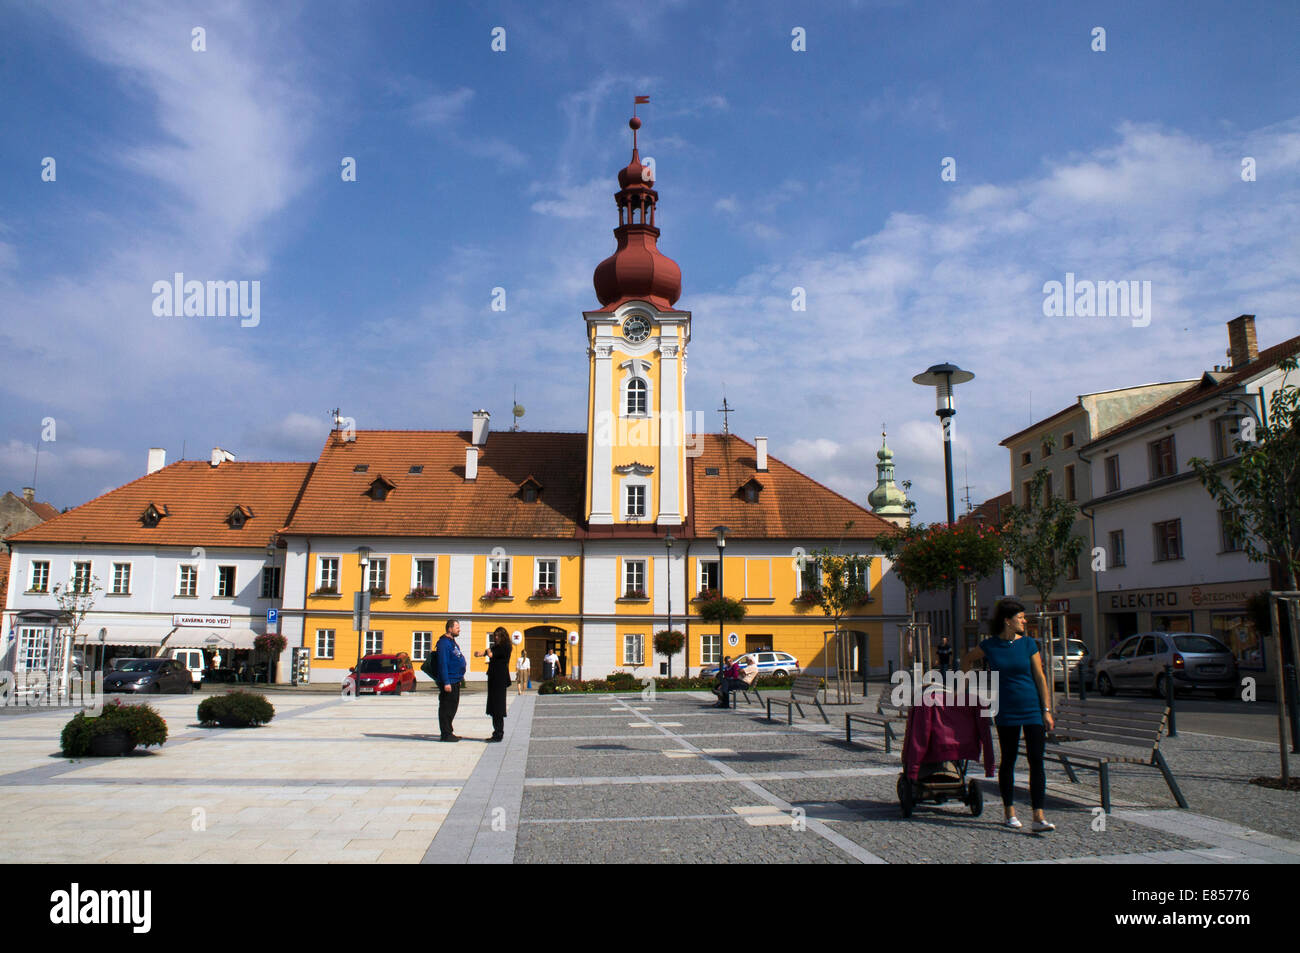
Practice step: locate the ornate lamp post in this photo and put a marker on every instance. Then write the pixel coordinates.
(943, 378)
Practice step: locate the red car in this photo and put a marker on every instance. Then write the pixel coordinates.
(382, 675)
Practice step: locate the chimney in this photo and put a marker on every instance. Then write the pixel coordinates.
(1241, 340)
(157, 459)
(480, 429)
(220, 456)
(29, 494)
(760, 443)
(471, 463)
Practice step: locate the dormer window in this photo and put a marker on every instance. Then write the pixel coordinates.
(529, 489)
(361, 468)
(238, 517)
(750, 490)
(152, 514)
(380, 488)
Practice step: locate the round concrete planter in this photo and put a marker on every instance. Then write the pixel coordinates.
(111, 744)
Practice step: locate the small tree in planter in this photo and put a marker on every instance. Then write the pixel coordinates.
(669, 642)
(271, 644)
(118, 730)
(843, 588)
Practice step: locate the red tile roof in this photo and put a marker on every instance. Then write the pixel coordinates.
(44, 510)
(790, 505)
(439, 501)
(1205, 388)
(991, 512)
(198, 498)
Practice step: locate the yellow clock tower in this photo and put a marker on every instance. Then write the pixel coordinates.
(636, 347)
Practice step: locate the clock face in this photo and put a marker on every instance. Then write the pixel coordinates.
(636, 329)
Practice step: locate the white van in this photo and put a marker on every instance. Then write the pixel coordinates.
(191, 659)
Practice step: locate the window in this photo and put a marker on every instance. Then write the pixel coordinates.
(1047, 449)
(751, 492)
(421, 646)
(40, 577)
(547, 576)
(499, 574)
(810, 577)
(708, 575)
(633, 649)
(530, 493)
(1026, 458)
(327, 574)
(324, 643)
(1169, 544)
(374, 641)
(972, 602)
(857, 576)
(416, 468)
(1112, 474)
(236, 520)
(424, 575)
(634, 578)
(121, 579)
(1026, 490)
(188, 580)
(1225, 429)
(377, 574)
(1161, 453)
(34, 649)
(1229, 541)
(361, 468)
(81, 577)
(271, 582)
(1117, 547)
(1072, 570)
(1070, 493)
(226, 582)
(710, 649)
(1047, 490)
(1067, 441)
(636, 397)
(635, 499)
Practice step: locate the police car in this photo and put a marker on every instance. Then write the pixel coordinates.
(769, 663)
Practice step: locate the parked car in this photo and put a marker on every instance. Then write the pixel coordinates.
(192, 661)
(769, 663)
(152, 675)
(382, 675)
(1199, 662)
(1077, 659)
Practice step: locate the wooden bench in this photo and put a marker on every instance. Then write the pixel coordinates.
(1115, 727)
(805, 688)
(745, 690)
(885, 716)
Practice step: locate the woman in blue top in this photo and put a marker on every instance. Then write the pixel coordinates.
(1022, 706)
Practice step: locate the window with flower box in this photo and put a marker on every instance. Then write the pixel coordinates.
(40, 574)
(545, 585)
(327, 574)
(499, 577)
(634, 579)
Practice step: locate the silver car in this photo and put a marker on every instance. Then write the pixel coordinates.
(1198, 662)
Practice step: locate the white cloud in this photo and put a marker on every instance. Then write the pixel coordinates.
(438, 108)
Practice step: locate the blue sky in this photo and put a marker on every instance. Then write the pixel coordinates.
(479, 169)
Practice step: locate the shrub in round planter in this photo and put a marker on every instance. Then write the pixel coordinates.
(119, 729)
(236, 710)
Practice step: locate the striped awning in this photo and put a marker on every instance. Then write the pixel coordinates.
(129, 635)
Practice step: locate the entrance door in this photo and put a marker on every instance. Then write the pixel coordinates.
(540, 640)
(757, 643)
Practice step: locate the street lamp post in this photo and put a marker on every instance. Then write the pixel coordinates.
(943, 377)
(720, 535)
(363, 552)
(668, 567)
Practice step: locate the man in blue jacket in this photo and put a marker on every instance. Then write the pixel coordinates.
(451, 673)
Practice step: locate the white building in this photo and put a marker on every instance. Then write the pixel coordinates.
(1169, 561)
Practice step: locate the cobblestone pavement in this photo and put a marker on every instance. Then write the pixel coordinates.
(646, 780)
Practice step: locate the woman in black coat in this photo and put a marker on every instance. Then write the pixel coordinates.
(498, 679)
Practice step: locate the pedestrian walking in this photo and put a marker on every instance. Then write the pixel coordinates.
(550, 664)
(943, 651)
(451, 674)
(523, 668)
(498, 678)
(1023, 706)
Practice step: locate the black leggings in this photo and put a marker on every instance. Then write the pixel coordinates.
(1009, 742)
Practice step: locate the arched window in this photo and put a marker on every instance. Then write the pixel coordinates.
(636, 396)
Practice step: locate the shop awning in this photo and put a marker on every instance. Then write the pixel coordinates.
(219, 640)
(126, 635)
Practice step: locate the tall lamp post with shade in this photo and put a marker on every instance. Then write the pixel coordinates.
(720, 535)
(944, 378)
(361, 613)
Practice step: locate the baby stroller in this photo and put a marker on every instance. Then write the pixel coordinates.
(942, 737)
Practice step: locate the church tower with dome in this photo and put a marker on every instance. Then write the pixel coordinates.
(636, 347)
(887, 501)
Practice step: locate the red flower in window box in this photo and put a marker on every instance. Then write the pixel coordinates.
(497, 593)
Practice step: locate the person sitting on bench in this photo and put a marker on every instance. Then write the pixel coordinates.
(742, 679)
(726, 670)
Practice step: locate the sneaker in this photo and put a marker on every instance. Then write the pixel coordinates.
(1013, 822)
(1042, 827)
